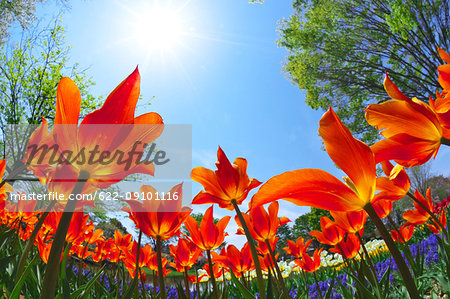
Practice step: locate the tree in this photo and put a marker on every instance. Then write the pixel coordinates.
(419, 177)
(440, 187)
(16, 10)
(338, 51)
(284, 233)
(30, 70)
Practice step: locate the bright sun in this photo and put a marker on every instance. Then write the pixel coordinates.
(157, 28)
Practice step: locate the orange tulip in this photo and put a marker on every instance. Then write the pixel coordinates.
(152, 264)
(382, 207)
(75, 142)
(193, 278)
(310, 264)
(44, 249)
(218, 271)
(404, 233)
(318, 188)
(6, 187)
(435, 227)
(229, 182)
(413, 131)
(208, 236)
(263, 249)
(90, 235)
(351, 222)
(123, 243)
(331, 233)
(77, 227)
(263, 226)
(419, 215)
(185, 254)
(348, 248)
(158, 218)
(297, 249)
(99, 250)
(145, 253)
(395, 185)
(240, 262)
(113, 253)
(444, 70)
(441, 106)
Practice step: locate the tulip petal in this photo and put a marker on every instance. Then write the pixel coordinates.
(444, 56)
(404, 149)
(395, 117)
(308, 187)
(209, 180)
(119, 105)
(393, 91)
(227, 174)
(444, 76)
(351, 155)
(68, 102)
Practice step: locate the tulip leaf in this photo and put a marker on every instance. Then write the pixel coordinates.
(385, 281)
(15, 294)
(4, 261)
(366, 293)
(346, 292)
(269, 287)
(224, 291)
(83, 291)
(330, 288)
(131, 289)
(244, 292)
(180, 292)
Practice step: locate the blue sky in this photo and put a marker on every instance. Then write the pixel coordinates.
(223, 76)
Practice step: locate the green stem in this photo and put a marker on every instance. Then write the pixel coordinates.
(369, 261)
(346, 260)
(445, 141)
(259, 276)
(138, 251)
(143, 284)
(197, 285)
(30, 242)
(52, 269)
(317, 285)
(405, 246)
(402, 267)
(211, 274)
(306, 283)
(280, 276)
(186, 282)
(154, 283)
(162, 287)
(271, 269)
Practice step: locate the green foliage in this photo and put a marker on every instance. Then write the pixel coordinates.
(284, 233)
(21, 11)
(308, 222)
(338, 52)
(109, 226)
(29, 74)
(30, 70)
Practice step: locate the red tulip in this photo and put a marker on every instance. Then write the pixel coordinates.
(229, 182)
(331, 233)
(207, 236)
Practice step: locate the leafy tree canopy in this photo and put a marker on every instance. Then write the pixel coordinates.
(30, 70)
(338, 51)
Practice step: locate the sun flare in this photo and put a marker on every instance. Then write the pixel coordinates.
(157, 28)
